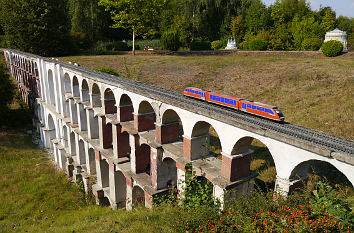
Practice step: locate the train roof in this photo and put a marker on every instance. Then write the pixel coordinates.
(267, 105)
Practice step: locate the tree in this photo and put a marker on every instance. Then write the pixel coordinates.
(257, 17)
(6, 90)
(345, 24)
(304, 29)
(36, 26)
(329, 20)
(238, 28)
(88, 19)
(141, 16)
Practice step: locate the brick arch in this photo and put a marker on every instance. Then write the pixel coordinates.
(96, 96)
(109, 102)
(126, 108)
(76, 87)
(301, 170)
(51, 88)
(142, 159)
(146, 117)
(85, 91)
(138, 196)
(201, 141)
(171, 128)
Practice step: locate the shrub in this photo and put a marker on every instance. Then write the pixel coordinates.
(257, 44)
(200, 45)
(332, 48)
(112, 46)
(217, 44)
(140, 44)
(170, 41)
(350, 44)
(311, 44)
(243, 45)
(107, 70)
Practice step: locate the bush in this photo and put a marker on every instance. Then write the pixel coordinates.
(107, 70)
(332, 48)
(350, 44)
(311, 44)
(200, 45)
(170, 41)
(257, 44)
(217, 44)
(140, 44)
(112, 46)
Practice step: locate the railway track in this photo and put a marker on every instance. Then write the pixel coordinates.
(314, 137)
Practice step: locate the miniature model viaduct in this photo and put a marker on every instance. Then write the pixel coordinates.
(131, 142)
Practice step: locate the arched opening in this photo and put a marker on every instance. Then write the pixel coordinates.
(67, 83)
(96, 96)
(107, 136)
(51, 132)
(104, 168)
(138, 196)
(109, 102)
(76, 87)
(92, 162)
(65, 136)
(171, 128)
(72, 144)
(82, 157)
(312, 171)
(85, 92)
(120, 189)
(261, 161)
(167, 174)
(51, 88)
(146, 117)
(93, 121)
(123, 145)
(125, 108)
(205, 141)
(142, 159)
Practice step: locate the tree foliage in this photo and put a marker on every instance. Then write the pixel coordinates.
(36, 26)
(6, 90)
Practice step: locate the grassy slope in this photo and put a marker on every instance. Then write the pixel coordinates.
(313, 91)
(37, 198)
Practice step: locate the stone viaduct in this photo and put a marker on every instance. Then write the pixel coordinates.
(129, 145)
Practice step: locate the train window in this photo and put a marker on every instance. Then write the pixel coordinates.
(254, 107)
(248, 106)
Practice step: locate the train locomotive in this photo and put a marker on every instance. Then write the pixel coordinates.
(249, 106)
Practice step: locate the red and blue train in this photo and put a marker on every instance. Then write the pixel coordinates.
(249, 106)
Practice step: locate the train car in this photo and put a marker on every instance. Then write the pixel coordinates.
(260, 109)
(248, 106)
(224, 100)
(195, 93)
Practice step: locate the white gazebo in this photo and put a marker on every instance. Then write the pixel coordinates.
(339, 35)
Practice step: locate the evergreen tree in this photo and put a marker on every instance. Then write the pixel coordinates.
(36, 26)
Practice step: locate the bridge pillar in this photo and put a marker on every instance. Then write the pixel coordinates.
(144, 121)
(129, 197)
(155, 164)
(195, 147)
(166, 133)
(285, 186)
(134, 145)
(81, 112)
(236, 166)
(92, 124)
(73, 113)
(105, 132)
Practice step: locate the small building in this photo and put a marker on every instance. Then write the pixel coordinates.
(339, 35)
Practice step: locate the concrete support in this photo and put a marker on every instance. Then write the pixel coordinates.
(167, 132)
(134, 145)
(284, 186)
(73, 113)
(81, 112)
(236, 166)
(117, 187)
(92, 126)
(144, 121)
(195, 147)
